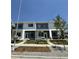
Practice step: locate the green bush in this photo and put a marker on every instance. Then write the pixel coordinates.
(17, 41)
(36, 42)
(59, 42)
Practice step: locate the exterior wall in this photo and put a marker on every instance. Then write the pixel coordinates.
(23, 34)
(41, 25)
(26, 26)
(36, 35)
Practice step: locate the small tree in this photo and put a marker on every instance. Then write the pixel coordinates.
(57, 24)
(60, 24)
(62, 30)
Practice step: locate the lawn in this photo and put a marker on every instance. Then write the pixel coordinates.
(60, 42)
(36, 42)
(32, 49)
(17, 41)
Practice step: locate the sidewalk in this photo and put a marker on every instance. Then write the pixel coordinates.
(37, 57)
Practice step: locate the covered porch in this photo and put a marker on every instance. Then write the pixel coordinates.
(40, 34)
(35, 35)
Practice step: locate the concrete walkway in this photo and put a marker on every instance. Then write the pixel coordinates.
(39, 45)
(16, 45)
(19, 43)
(51, 44)
(48, 41)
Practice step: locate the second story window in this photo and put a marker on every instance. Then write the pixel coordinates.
(20, 26)
(42, 25)
(30, 25)
(41, 34)
(19, 34)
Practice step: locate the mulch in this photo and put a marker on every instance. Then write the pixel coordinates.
(32, 49)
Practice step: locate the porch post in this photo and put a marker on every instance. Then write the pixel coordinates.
(23, 34)
(50, 33)
(36, 34)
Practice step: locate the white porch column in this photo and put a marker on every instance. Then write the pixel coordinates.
(50, 33)
(23, 34)
(36, 34)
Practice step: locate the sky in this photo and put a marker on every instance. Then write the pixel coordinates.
(39, 10)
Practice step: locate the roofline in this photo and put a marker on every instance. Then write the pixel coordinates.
(30, 22)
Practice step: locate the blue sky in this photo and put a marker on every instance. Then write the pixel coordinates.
(39, 10)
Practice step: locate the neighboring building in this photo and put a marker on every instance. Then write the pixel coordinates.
(36, 30)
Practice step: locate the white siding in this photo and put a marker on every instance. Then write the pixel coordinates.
(25, 26)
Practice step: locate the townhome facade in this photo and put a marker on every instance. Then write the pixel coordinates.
(36, 30)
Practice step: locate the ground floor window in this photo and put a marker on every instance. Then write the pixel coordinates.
(29, 34)
(54, 34)
(41, 34)
(44, 34)
(19, 34)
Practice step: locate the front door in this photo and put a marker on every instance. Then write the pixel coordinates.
(26, 35)
(45, 35)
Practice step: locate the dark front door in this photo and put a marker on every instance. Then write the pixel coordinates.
(54, 35)
(45, 35)
(26, 35)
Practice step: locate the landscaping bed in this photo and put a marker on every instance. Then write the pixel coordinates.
(32, 49)
(36, 42)
(60, 42)
(17, 41)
